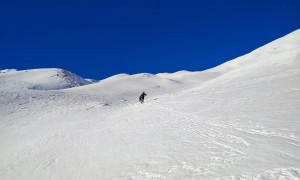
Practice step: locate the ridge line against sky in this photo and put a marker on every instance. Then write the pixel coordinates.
(98, 39)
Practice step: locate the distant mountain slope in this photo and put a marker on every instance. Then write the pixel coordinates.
(128, 87)
(274, 57)
(42, 79)
(277, 56)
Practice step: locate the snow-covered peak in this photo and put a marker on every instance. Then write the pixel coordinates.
(2, 71)
(42, 79)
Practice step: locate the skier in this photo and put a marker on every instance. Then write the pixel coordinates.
(142, 96)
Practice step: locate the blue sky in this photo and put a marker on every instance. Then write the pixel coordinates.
(97, 39)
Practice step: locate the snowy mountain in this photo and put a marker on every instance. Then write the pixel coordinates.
(239, 120)
(42, 79)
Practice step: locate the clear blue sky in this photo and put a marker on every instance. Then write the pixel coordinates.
(100, 38)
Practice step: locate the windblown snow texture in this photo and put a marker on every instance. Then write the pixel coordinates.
(239, 120)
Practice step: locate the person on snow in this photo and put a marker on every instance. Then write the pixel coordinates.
(142, 97)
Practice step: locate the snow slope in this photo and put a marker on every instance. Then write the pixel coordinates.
(239, 120)
(127, 88)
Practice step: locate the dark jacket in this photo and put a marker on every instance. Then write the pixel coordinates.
(142, 96)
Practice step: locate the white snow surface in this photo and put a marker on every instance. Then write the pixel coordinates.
(239, 120)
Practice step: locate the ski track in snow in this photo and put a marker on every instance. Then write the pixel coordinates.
(226, 126)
